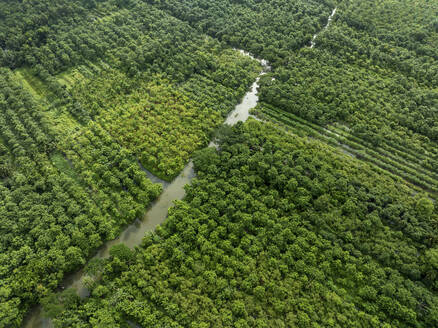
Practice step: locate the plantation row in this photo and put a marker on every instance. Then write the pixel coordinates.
(158, 120)
(111, 173)
(322, 88)
(275, 231)
(399, 35)
(383, 156)
(201, 80)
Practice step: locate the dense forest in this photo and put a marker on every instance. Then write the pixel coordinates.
(320, 214)
(275, 231)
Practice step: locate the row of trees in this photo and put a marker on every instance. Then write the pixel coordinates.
(275, 232)
(398, 34)
(55, 211)
(416, 168)
(203, 80)
(378, 105)
(161, 122)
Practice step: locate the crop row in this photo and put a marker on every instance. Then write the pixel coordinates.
(409, 171)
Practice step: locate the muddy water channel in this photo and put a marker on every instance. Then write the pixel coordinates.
(157, 212)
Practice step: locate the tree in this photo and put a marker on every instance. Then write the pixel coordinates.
(55, 304)
(123, 253)
(431, 266)
(425, 208)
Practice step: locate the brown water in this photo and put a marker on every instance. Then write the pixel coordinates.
(157, 213)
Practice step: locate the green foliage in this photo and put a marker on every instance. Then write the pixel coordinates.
(374, 70)
(157, 86)
(159, 121)
(425, 208)
(431, 266)
(276, 231)
(96, 88)
(122, 252)
(269, 29)
(283, 232)
(55, 304)
(56, 209)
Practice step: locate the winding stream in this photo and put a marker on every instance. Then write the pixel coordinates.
(312, 43)
(157, 212)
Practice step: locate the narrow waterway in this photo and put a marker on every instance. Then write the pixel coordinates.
(312, 42)
(157, 213)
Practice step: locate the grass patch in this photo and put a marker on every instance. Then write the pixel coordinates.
(62, 121)
(34, 84)
(71, 76)
(64, 165)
